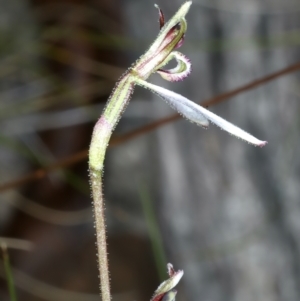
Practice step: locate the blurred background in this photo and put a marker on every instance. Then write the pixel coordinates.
(225, 212)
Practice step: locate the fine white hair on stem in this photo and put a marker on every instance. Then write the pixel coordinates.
(198, 114)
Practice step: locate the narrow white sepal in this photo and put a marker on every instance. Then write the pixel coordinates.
(182, 105)
(198, 114)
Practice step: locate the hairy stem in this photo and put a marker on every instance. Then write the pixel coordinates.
(170, 37)
(100, 138)
(96, 182)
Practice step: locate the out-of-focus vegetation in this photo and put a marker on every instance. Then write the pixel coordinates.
(224, 212)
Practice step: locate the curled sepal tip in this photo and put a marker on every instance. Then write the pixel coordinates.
(171, 270)
(198, 114)
(166, 292)
(181, 71)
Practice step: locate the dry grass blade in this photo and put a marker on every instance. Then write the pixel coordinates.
(8, 273)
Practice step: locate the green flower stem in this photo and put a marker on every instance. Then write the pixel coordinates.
(101, 135)
(170, 36)
(108, 121)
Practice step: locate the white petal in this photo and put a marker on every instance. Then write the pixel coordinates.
(199, 114)
(182, 105)
(231, 128)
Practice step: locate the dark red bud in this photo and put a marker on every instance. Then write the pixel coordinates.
(161, 17)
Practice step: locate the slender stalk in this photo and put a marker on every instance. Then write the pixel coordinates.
(96, 180)
(101, 135)
(170, 36)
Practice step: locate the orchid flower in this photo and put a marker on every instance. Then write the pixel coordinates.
(161, 52)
